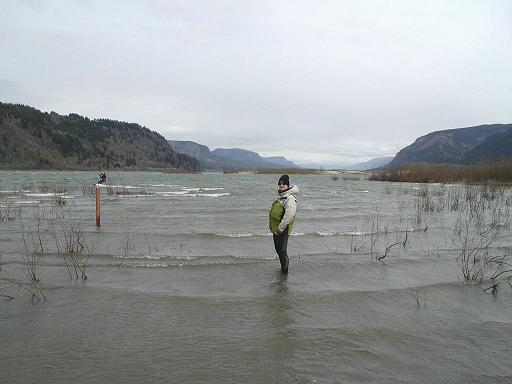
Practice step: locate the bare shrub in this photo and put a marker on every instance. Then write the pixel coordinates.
(373, 220)
(60, 189)
(69, 238)
(454, 200)
(45, 188)
(416, 298)
(9, 213)
(397, 242)
(482, 223)
(477, 228)
(89, 190)
(350, 178)
(495, 286)
(127, 243)
(122, 191)
(425, 202)
(387, 250)
(59, 199)
(420, 221)
(30, 262)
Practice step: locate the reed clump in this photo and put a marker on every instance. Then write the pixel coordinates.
(123, 191)
(479, 216)
(481, 228)
(30, 254)
(9, 212)
(56, 189)
(68, 235)
(489, 173)
(90, 191)
(350, 178)
(52, 229)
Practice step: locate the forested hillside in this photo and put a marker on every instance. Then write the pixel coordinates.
(31, 139)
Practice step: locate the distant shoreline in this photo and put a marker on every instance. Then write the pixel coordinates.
(297, 171)
(488, 173)
(260, 171)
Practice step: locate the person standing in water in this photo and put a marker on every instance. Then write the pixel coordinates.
(282, 217)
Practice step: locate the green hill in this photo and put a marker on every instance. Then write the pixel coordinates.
(31, 139)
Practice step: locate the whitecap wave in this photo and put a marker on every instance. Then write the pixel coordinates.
(346, 233)
(160, 185)
(155, 265)
(198, 189)
(133, 195)
(119, 186)
(239, 235)
(328, 233)
(235, 234)
(49, 194)
(358, 233)
(170, 193)
(156, 257)
(255, 258)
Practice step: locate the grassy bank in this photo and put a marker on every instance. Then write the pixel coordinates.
(490, 173)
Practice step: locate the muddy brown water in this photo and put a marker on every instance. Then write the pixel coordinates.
(184, 285)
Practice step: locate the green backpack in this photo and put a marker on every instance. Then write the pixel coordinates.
(275, 216)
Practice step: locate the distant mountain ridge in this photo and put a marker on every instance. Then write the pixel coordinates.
(370, 164)
(31, 139)
(233, 158)
(282, 162)
(483, 143)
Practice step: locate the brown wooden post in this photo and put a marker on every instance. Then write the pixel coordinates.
(98, 207)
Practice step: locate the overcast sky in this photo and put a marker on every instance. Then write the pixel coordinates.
(316, 81)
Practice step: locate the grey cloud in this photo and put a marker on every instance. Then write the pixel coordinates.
(254, 74)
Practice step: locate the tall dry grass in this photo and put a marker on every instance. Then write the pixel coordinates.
(490, 173)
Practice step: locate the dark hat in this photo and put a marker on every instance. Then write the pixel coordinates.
(284, 180)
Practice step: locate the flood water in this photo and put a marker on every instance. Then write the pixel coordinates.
(184, 285)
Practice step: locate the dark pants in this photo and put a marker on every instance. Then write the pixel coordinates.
(281, 243)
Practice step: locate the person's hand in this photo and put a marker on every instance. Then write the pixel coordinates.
(278, 232)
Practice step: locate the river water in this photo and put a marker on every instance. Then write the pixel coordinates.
(184, 285)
